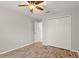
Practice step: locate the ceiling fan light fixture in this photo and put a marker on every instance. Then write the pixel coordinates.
(33, 5)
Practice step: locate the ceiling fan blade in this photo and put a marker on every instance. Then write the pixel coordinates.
(22, 5)
(39, 8)
(31, 2)
(38, 2)
(35, 2)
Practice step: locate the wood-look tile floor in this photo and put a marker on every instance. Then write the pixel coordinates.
(37, 50)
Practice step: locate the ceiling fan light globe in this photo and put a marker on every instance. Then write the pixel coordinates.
(32, 7)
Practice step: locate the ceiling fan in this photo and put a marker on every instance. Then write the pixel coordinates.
(33, 5)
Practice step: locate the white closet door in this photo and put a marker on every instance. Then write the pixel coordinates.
(59, 32)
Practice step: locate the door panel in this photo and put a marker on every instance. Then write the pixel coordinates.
(59, 32)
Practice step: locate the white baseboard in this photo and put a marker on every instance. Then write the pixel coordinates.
(74, 50)
(16, 48)
(60, 47)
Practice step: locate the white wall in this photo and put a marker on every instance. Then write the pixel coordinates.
(74, 25)
(15, 30)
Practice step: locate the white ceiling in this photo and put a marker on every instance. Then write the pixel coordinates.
(52, 6)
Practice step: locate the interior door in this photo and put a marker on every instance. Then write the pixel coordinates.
(59, 32)
(38, 32)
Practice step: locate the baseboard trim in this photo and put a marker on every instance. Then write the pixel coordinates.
(16, 48)
(75, 50)
(62, 48)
